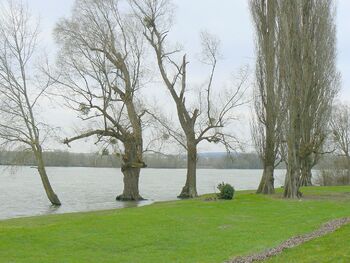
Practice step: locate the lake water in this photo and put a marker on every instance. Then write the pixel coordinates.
(86, 189)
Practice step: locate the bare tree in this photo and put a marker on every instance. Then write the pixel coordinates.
(268, 99)
(20, 91)
(307, 39)
(204, 121)
(340, 126)
(101, 62)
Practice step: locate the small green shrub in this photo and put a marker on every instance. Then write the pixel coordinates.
(226, 191)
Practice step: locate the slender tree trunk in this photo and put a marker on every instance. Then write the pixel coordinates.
(266, 185)
(306, 174)
(264, 14)
(131, 167)
(291, 185)
(44, 178)
(190, 188)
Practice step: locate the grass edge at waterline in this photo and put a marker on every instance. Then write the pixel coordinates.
(199, 230)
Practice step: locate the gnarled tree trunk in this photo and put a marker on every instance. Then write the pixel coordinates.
(190, 188)
(44, 178)
(132, 164)
(131, 185)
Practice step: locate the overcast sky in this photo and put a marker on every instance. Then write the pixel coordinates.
(228, 19)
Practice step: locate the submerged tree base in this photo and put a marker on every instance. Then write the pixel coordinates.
(55, 201)
(124, 197)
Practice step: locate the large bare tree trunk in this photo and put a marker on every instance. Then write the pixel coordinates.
(291, 189)
(266, 185)
(45, 180)
(190, 188)
(131, 185)
(132, 164)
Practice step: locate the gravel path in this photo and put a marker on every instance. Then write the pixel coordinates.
(328, 227)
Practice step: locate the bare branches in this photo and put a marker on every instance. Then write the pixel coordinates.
(203, 121)
(99, 133)
(18, 43)
(101, 64)
(340, 127)
(168, 128)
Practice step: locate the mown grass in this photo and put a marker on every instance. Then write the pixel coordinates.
(179, 231)
(331, 248)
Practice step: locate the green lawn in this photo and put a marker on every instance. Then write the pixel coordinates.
(180, 231)
(331, 248)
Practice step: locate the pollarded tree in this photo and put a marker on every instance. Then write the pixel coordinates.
(20, 90)
(268, 99)
(101, 68)
(204, 121)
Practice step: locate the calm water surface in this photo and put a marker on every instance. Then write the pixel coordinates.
(87, 189)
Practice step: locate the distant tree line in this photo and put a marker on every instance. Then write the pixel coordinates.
(60, 158)
(153, 160)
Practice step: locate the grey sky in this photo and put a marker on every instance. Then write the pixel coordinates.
(228, 19)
